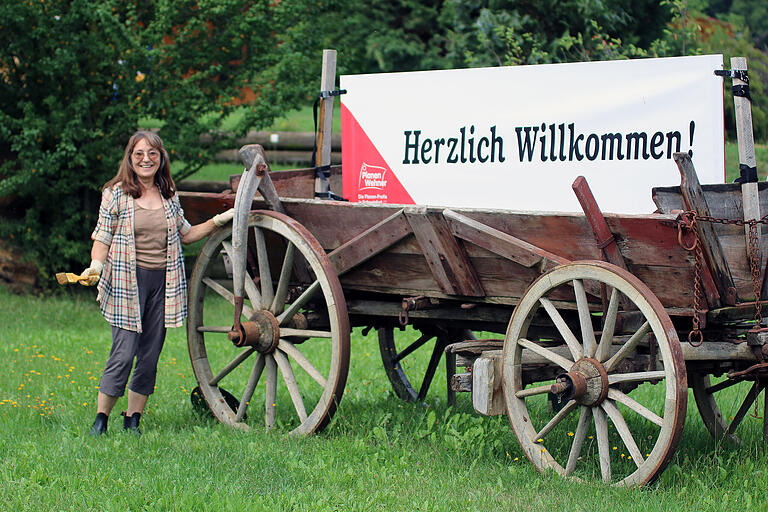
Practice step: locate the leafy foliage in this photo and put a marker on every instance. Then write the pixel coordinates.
(406, 35)
(76, 76)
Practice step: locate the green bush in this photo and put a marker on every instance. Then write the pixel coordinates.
(77, 75)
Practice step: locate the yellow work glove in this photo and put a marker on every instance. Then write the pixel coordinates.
(93, 272)
(223, 217)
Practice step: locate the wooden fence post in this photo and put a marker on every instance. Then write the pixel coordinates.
(325, 120)
(746, 143)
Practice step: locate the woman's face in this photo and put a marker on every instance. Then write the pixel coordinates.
(145, 160)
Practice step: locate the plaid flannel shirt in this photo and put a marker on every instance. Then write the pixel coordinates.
(118, 292)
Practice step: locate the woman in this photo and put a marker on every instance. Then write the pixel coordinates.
(137, 261)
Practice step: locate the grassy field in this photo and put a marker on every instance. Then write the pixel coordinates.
(377, 454)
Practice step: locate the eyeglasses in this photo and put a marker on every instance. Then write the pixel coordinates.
(152, 154)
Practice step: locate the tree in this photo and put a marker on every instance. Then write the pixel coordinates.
(76, 76)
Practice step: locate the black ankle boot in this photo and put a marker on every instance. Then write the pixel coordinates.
(131, 423)
(99, 425)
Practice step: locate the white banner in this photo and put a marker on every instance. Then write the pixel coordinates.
(516, 137)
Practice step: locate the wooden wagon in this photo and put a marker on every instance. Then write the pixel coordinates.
(606, 320)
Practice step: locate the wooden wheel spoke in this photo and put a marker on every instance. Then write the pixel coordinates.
(606, 338)
(622, 398)
(621, 427)
(223, 329)
(242, 356)
(430, 373)
(285, 277)
(265, 275)
(765, 417)
(744, 409)
(627, 348)
(559, 360)
(561, 414)
(636, 376)
(250, 287)
(250, 387)
(299, 302)
(603, 443)
(226, 294)
(585, 317)
(271, 392)
(302, 360)
(578, 439)
(722, 385)
(538, 390)
(290, 382)
(573, 344)
(425, 337)
(304, 333)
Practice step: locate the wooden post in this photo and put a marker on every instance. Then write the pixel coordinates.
(746, 142)
(693, 199)
(603, 235)
(325, 120)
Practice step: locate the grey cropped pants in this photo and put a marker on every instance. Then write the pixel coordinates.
(144, 347)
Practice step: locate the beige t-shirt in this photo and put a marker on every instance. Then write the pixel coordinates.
(151, 237)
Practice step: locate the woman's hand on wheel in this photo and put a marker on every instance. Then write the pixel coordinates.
(223, 217)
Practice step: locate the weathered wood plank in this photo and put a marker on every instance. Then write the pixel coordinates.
(603, 236)
(370, 242)
(503, 244)
(296, 183)
(693, 199)
(724, 199)
(487, 395)
(447, 260)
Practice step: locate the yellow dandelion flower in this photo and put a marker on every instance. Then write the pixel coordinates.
(570, 434)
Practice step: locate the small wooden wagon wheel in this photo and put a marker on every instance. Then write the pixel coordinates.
(724, 405)
(402, 357)
(615, 373)
(292, 357)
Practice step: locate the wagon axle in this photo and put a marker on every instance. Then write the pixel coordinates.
(261, 331)
(587, 383)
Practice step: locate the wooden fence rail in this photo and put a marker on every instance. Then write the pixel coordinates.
(292, 148)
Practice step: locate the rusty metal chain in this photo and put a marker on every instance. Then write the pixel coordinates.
(688, 221)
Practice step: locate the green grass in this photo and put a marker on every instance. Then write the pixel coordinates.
(377, 454)
(732, 161)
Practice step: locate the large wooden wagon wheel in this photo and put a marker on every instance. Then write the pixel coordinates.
(292, 360)
(403, 357)
(633, 376)
(725, 404)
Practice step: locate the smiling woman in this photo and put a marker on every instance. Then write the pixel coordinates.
(138, 264)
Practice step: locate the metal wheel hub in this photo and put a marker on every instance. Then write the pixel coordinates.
(261, 331)
(587, 383)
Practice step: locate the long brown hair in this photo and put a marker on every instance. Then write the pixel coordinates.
(127, 177)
